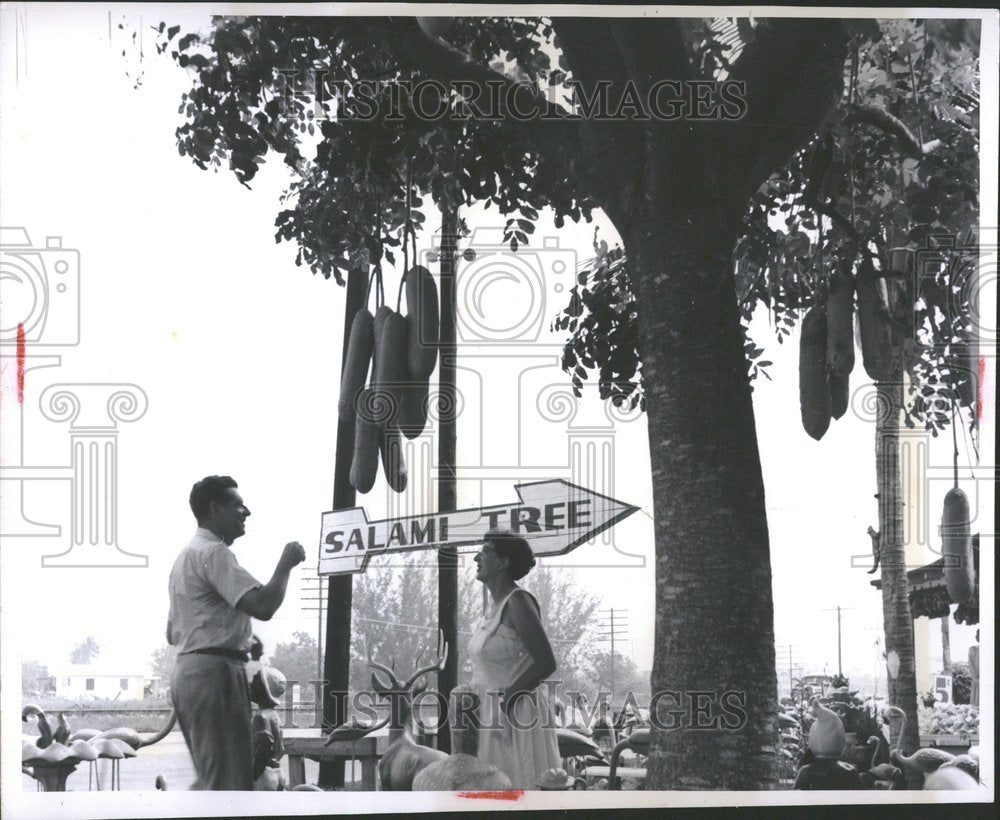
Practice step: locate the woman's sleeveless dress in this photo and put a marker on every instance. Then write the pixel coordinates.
(498, 658)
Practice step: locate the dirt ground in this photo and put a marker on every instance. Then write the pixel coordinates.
(169, 758)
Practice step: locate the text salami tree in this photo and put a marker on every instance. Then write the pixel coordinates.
(676, 186)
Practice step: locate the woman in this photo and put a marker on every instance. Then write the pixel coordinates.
(510, 658)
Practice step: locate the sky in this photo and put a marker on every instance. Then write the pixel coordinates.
(184, 294)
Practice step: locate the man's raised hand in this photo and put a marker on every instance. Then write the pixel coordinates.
(293, 555)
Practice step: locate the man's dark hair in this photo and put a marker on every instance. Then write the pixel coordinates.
(210, 488)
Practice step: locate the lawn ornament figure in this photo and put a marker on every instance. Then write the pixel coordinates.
(827, 740)
(404, 757)
(54, 755)
(881, 775)
(924, 760)
(967, 763)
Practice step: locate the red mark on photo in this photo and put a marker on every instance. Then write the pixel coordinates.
(20, 362)
(508, 794)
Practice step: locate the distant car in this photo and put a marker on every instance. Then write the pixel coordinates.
(815, 684)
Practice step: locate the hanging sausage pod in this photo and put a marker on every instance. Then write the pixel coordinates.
(872, 326)
(840, 325)
(956, 540)
(424, 318)
(840, 395)
(381, 315)
(393, 459)
(413, 411)
(360, 347)
(367, 434)
(392, 376)
(814, 388)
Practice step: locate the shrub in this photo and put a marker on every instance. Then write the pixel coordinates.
(961, 684)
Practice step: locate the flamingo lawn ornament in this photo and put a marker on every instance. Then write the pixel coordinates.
(133, 738)
(787, 721)
(404, 757)
(129, 738)
(575, 744)
(56, 754)
(638, 741)
(462, 770)
(45, 735)
(880, 775)
(967, 763)
(575, 749)
(114, 750)
(52, 765)
(924, 760)
(353, 733)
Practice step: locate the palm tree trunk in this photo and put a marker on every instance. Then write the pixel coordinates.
(945, 645)
(897, 622)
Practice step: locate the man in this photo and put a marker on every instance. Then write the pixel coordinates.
(212, 599)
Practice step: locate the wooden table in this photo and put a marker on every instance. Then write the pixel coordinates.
(368, 750)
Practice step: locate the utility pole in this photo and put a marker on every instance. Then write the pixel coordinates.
(340, 588)
(615, 624)
(312, 593)
(791, 676)
(840, 665)
(447, 453)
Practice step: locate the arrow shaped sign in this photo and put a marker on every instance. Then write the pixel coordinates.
(554, 517)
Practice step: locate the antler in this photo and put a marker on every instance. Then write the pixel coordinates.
(436, 665)
(377, 684)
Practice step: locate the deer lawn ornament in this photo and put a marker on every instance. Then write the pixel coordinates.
(404, 757)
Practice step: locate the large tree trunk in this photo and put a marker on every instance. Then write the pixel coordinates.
(714, 658)
(898, 624)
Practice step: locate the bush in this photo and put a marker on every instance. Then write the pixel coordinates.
(961, 684)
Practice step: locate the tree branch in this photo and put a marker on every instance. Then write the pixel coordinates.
(614, 149)
(793, 71)
(888, 124)
(531, 114)
(590, 52)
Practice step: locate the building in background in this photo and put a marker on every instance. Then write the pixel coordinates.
(101, 680)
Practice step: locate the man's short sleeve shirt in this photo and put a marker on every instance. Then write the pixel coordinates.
(206, 583)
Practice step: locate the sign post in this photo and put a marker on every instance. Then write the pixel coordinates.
(554, 517)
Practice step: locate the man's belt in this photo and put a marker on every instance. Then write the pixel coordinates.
(232, 654)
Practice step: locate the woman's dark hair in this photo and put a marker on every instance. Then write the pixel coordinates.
(515, 549)
(210, 488)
